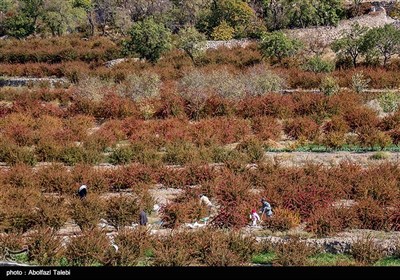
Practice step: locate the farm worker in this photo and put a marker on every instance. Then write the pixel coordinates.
(205, 201)
(82, 191)
(265, 208)
(254, 217)
(142, 218)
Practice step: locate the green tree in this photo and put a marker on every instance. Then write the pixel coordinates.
(5, 5)
(148, 39)
(19, 26)
(223, 32)
(61, 15)
(23, 17)
(276, 13)
(303, 13)
(142, 9)
(351, 44)
(280, 14)
(88, 7)
(33, 9)
(236, 13)
(105, 13)
(192, 42)
(188, 12)
(382, 41)
(277, 45)
(328, 12)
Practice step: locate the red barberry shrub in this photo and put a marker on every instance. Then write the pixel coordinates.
(306, 198)
(91, 248)
(360, 117)
(96, 179)
(129, 176)
(113, 106)
(122, 210)
(170, 105)
(236, 202)
(281, 220)
(19, 128)
(44, 247)
(220, 130)
(185, 208)
(372, 137)
(272, 104)
(51, 212)
(18, 209)
(266, 128)
(55, 178)
(19, 176)
(391, 121)
(302, 127)
(394, 136)
(88, 212)
(394, 217)
(372, 215)
(132, 245)
(379, 183)
(336, 124)
(310, 104)
(324, 222)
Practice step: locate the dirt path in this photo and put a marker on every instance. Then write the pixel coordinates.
(291, 159)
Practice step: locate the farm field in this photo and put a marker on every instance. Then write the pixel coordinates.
(311, 129)
(51, 145)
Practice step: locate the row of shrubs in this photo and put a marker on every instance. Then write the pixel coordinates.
(60, 49)
(251, 150)
(307, 194)
(27, 139)
(77, 58)
(137, 247)
(24, 209)
(147, 99)
(105, 103)
(206, 247)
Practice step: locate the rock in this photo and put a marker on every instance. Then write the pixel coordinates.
(376, 106)
(112, 63)
(344, 203)
(26, 81)
(337, 246)
(229, 44)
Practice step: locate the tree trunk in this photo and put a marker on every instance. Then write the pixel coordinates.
(91, 23)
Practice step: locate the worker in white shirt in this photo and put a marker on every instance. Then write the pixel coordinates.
(204, 200)
(82, 191)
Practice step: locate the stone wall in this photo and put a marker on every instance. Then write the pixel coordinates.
(25, 81)
(229, 44)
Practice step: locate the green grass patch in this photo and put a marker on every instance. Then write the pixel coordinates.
(264, 258)
(328, 259)
(388, 261)
(380, 155)
(21, 258)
